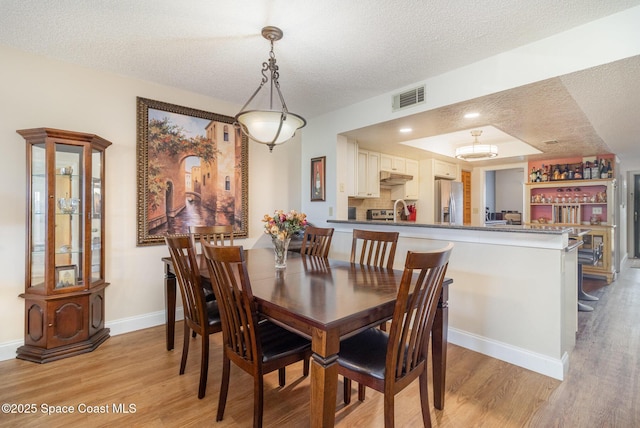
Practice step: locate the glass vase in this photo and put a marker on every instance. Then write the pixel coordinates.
(280, 247)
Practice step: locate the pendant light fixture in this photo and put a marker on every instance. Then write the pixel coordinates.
(476, 151)
(270, 127)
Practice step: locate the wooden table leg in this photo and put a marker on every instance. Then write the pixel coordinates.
(324, 378)
(170, 303)
(439, 348)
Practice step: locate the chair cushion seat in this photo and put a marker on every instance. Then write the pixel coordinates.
(278, 342)
(365, 352)
(208, 292)
(213, 313)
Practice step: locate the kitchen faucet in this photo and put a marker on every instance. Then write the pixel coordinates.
(395, 209)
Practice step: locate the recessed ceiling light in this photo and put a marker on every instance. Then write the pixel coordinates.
(405, 130)
(471, 115)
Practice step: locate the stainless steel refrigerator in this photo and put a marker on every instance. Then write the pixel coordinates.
(449, 208)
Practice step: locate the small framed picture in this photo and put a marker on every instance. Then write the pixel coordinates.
(318, 171)
(66, 276)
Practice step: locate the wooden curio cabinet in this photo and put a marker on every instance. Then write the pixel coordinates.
(64, 281)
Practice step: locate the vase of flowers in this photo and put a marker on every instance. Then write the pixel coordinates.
(280, 227)
(280, 248)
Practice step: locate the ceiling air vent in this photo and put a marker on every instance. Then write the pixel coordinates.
(408, 98)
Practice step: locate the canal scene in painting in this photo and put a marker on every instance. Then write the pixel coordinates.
(194, 173)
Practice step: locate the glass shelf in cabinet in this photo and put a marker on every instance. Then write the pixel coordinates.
(63, 250)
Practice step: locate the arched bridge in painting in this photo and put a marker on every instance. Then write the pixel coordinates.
(192, 195)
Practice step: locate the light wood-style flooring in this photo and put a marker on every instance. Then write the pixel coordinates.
(602, 388)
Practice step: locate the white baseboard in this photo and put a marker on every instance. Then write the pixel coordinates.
(8, 349)
(543, 364)
(121, 326)
(555, 368)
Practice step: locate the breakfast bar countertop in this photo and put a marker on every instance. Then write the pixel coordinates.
(506, 266)
(527, 228)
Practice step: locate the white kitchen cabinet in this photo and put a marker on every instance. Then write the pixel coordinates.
(392, 163)
(368, 181)
(352, 169)
(410, 189)
(445, 169)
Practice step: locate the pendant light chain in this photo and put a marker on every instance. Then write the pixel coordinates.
(269, 127)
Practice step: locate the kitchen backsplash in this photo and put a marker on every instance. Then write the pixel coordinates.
(384, 202)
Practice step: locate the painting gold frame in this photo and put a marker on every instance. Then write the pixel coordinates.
(192, 169)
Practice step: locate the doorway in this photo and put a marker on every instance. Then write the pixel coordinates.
(504, 192)
(466, 196)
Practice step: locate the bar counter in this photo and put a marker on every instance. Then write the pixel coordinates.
(526, 228)
(514, 295)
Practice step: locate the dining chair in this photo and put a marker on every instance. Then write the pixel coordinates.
(375, 248)
(213, 234)
(257, 347)
(200, 316)
(316, 241)
(390, 361)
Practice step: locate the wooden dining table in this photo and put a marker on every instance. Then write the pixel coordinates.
(324, 300)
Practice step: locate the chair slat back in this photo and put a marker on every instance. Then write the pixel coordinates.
(215, 235)
(316, 241)
(185, 264)
(230, 281)
(415, 310)
(376, 248)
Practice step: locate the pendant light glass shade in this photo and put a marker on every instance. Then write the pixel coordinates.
(271, 126)
(476, 151)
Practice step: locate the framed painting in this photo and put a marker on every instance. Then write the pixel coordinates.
(318, 171)
(192, 169)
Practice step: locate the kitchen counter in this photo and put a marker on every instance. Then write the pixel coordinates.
(543, 229)
(514, 295)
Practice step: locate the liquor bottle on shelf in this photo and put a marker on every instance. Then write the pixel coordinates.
(532, 176)
(609, 170)
(556, 173)
(577, 174)
(603, 170)
(545, 174)
(595, 170)
(587, 171)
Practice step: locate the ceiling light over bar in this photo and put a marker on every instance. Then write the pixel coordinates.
(476, 151)
(271, 126)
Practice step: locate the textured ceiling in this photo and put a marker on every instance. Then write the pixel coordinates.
(334, 53)
(579, 110)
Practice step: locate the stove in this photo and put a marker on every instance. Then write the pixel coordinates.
(380, 215)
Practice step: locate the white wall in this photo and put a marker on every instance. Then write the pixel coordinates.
(490, 191)
(38, 92)
(509, 188)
